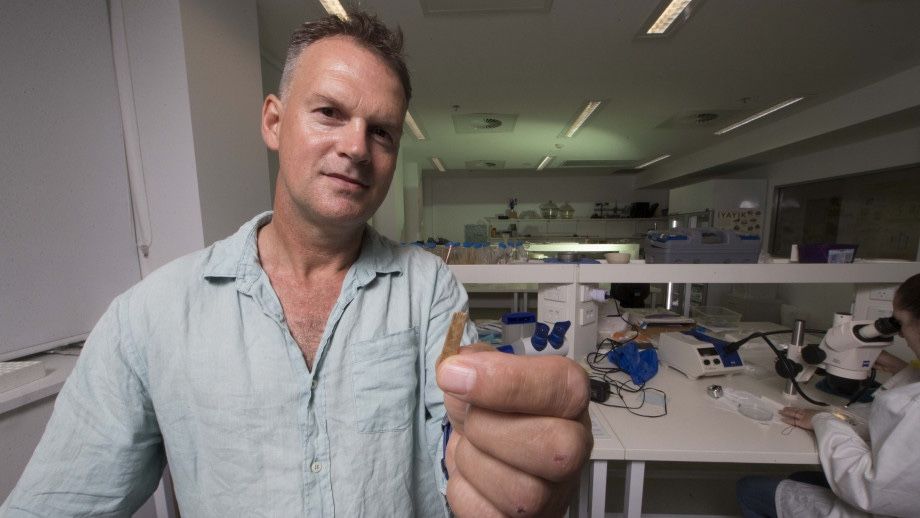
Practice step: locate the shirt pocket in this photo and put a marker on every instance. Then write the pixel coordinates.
(385, 381)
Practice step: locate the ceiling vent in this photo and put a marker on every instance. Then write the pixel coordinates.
(699, 119)
(462, 7)
(484, 123)
(596, 163)
(485, 164)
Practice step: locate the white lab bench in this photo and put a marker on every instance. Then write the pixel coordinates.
(694, 430)
(698, 429)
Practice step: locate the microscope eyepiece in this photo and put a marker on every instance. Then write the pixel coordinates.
(887, 326)
(882, 328)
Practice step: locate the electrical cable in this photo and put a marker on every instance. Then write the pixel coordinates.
(620, 388)
(734, 346)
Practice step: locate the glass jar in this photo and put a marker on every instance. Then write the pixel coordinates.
(549, 210)
(566, 211)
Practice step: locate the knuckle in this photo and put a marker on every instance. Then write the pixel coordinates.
(529, 497)
(568, 449)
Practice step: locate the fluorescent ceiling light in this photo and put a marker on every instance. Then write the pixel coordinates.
(545, 162)
(413, 127)
(752, 118)
(668, 16)
(652, 161)
(334, 7)
(582, 117)
(437, 164)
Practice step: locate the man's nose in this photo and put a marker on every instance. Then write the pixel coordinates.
(354, 142)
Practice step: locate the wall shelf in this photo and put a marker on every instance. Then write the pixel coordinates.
(575, 228)
(774, 273)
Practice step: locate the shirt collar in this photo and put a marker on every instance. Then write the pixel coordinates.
(238, 255)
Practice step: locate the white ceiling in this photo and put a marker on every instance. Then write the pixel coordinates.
(732, 58)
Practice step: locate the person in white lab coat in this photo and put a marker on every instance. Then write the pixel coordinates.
(878, 476)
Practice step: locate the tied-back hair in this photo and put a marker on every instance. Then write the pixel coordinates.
(365, 29)
(908, 296)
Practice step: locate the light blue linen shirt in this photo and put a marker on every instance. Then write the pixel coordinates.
(196, 365)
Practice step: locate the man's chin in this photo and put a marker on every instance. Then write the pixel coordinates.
(343, 217)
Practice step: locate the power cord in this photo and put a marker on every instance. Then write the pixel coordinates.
(734, 346)
(603, 370)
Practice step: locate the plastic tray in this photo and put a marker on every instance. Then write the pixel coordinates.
(715, 316)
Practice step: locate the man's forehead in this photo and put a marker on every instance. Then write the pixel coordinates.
(338, 52)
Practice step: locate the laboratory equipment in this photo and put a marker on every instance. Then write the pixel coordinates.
(696, 354)
(545, 341)
(715, 316)
(847, 353)
(549, 210)
(714, 391)
(850, 347)
(516, 326)
(600, 390)
(701, 245)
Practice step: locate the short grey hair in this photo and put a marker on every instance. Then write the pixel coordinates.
(365, 29)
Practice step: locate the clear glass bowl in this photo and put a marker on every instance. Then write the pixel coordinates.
(549, 210)
(566, 211)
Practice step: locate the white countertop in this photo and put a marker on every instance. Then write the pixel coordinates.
(57, 368)
(697, 429)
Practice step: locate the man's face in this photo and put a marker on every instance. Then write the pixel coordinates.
(337, 133)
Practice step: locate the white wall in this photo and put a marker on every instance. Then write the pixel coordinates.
(225, 92)
(817, 303)
(161, 98)
(888, 96)
(890, 150)
(718, 194)
(197, 91)
(204, 166)
(413, 199)
(390, 218)
(454, 200)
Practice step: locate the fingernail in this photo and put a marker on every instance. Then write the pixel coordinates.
(457, 378)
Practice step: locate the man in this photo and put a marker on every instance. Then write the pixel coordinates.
(289, 370)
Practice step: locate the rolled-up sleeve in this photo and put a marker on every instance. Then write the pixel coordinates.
(102, 453)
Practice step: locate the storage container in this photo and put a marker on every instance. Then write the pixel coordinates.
(700, 245)
(827, 253)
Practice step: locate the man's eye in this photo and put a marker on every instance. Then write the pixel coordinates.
(381, 133)
(327, 112)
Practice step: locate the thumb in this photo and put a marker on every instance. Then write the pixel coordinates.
(453, 376)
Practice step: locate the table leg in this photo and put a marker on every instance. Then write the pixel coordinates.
(514, 302)
(580, 507)
(635, 479)
(598, 488)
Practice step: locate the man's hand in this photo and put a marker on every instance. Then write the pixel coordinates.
(796, 416)
(521, 432)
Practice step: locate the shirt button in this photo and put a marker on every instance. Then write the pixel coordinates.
(316, 467)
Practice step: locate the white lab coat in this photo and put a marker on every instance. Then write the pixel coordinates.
(878, 478)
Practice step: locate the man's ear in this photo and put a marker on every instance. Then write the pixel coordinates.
(271, 121)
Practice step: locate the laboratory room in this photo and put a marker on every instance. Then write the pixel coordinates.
(696, 221)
